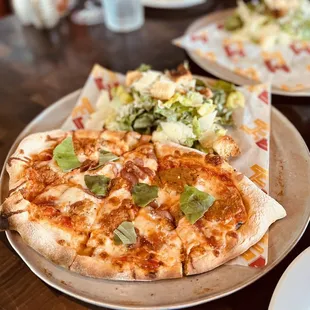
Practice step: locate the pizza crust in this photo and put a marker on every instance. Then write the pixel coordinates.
(40, 238)
(262, 212)
(32, 144)
(99, 268)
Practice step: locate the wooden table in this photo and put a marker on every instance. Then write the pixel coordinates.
(37, 68)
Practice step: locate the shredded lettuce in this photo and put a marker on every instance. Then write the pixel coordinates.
(176, 132)
(271, 22)
(200, 83)
(144, 121)
(206, 108)
(196, 127)
(122, 94)
(206, 122)
(233, 22)
(144, 68)
(191, 99)
(224, 86)
(187, 118)
(226, 98)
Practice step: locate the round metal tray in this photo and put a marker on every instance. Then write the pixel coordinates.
(289, 178)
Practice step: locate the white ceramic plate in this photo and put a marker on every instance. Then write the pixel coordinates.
(290, 172)
(293, 289)
(171, 4)
(222, 72)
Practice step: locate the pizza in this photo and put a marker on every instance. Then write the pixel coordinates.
(115, 205)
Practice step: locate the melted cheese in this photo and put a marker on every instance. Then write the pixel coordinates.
(159, 243)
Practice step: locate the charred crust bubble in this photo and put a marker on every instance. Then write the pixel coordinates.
(216, 253)
(232, 234)
(214, 160)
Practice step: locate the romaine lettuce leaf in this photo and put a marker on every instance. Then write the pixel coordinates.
(175, 132)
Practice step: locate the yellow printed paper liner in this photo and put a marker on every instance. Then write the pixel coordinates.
(98, 80)
(286, 67)
(251, 133)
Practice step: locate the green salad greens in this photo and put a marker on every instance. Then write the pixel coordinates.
(172, 106)
(270, 22)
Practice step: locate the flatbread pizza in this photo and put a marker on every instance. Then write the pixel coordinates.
(115, 205)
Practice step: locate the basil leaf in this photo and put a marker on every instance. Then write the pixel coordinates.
(194, 203)
(105, 157)
(143, 194)
(97, 184)
(65, 156)
(125, 234)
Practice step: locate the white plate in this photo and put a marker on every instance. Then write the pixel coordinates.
(290, 171)
(220, 71)
(171, 4)
(293, 289)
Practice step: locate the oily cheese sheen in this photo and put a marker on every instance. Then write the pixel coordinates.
(107, 205)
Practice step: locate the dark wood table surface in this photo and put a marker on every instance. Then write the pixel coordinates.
(39, 67)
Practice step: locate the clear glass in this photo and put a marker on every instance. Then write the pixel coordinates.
(123, 15)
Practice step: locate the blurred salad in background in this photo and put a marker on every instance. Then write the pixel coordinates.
(172, 106)
(270, 22)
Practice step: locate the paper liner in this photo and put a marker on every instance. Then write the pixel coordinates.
(285, 67)
(251, 132)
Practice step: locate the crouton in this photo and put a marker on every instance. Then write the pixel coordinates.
(162, 90)
(207, 92)
(226, 147)
(132, 76)
(181, 74)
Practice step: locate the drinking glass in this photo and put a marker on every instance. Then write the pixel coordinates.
(123, 15)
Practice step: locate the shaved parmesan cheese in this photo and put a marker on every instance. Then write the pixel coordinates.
(145, 82)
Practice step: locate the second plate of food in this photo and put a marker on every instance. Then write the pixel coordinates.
(220, 71)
